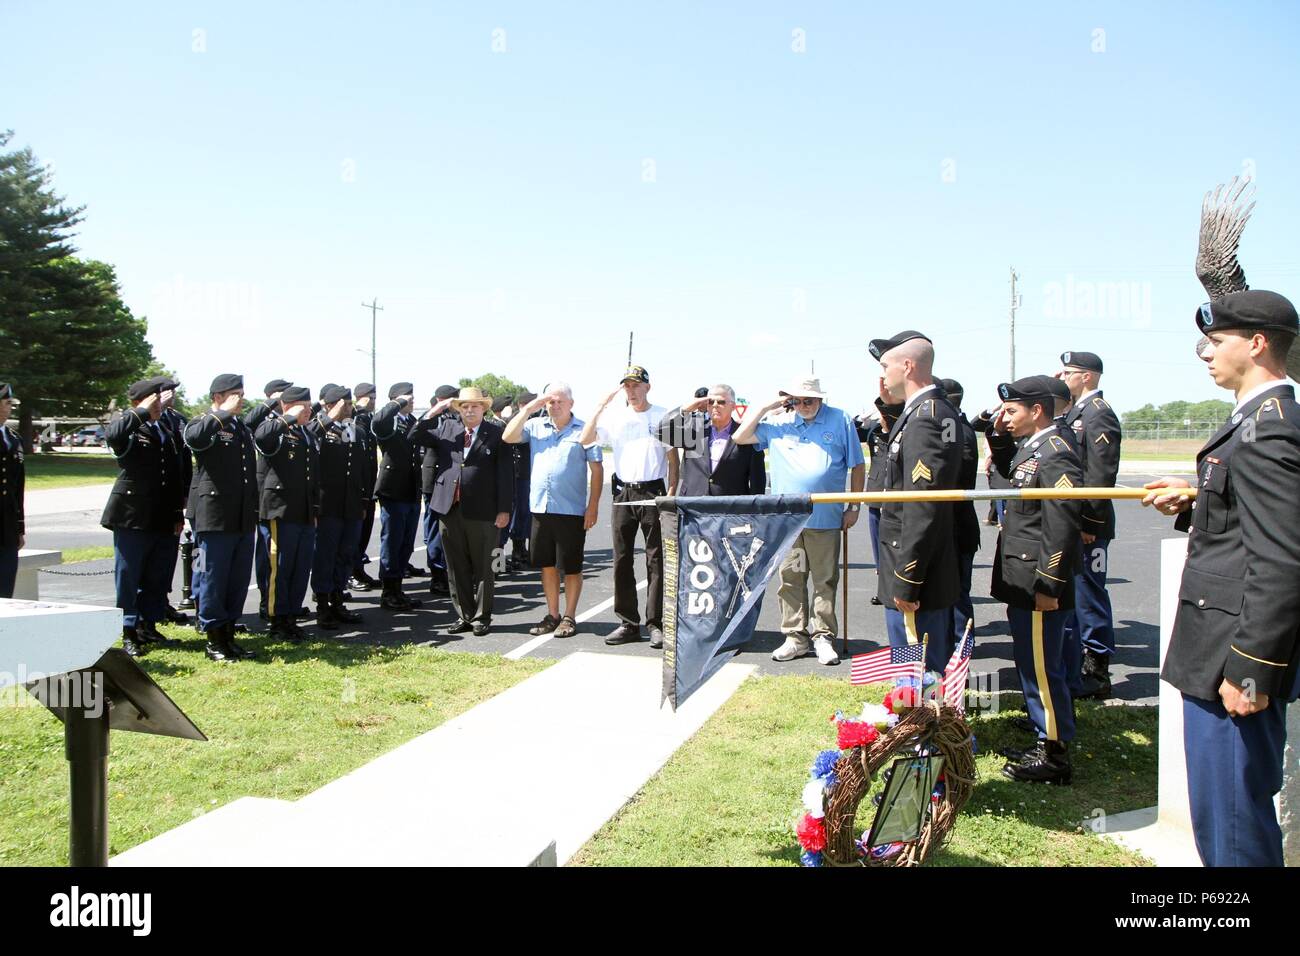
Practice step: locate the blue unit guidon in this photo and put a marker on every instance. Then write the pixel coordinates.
(719, 554)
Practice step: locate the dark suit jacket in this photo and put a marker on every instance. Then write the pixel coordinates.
(486, 470)
(740, 470)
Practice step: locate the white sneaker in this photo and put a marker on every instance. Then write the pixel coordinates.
(825, 652)
(792, 648)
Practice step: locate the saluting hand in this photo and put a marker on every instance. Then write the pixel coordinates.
(1170, 504)
(696, 405)
(231, 402)
(439, 408)
(337, 410)
(153, 405)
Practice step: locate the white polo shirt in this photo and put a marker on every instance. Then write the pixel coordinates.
(639, 455)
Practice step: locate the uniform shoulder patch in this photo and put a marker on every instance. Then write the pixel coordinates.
(927, 407)
(1272, 406)
(1098, 402)
(921, 470)
(1058, 443)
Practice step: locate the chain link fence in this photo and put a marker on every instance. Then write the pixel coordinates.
(1167, 437)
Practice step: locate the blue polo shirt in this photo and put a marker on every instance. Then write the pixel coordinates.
(558, 483)
(806, 457)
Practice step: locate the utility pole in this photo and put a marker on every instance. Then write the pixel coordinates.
(375, 308)
(629, 347)
(1015, 304)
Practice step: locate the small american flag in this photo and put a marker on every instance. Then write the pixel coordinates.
(887, 663)
(954, 675)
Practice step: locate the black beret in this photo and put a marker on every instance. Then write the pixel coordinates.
(523, 398)
(445, 391)
(226, 383)
(142, 389)
(879, 347)
(334, 393)
(1060, 391)
(401, 388)
(1248, 309)
(1084, 360)
(326, 387)
(164, 383)
(6, 390)
(363, 389)
(295, 393)
(1032, 388)
(952, 388)
(276, 385)
(498, 404)
(702, 392)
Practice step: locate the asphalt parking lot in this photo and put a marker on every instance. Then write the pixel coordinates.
(1134, 580)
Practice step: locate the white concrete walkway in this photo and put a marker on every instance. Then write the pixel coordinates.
(547, 761)
(53, 501)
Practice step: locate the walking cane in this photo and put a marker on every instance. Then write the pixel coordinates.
(844, 580)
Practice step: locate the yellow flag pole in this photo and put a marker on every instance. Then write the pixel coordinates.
(993, 494)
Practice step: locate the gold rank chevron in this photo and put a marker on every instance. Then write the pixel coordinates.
(921, 470)
(1064, 482)
(1054, 561)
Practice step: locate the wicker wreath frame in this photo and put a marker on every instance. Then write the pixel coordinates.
(950, 735)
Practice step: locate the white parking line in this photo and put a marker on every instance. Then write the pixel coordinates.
(529, 646)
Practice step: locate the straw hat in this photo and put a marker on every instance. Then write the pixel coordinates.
(471, 394)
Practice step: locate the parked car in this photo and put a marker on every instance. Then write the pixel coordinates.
(88, 436)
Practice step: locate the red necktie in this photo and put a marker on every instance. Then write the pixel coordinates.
(469, 437)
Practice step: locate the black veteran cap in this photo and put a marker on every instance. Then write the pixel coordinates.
(6, 391)
(276, 385)
(636, 373)
(445, 391)
(399, 389)
(1060, 391)
(295, 393)
(143, 388)
(329, 394)
(1032, 388)
(1248, 309)
(166, 383)
(952, 388)
(226, 383)
(879, 347)
(1088, 361)
(363, 389)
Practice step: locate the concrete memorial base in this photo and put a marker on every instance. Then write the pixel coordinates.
(27, 587)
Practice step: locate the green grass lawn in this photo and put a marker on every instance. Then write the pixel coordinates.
(56, 470)
(731, 795)
(279, 727)
(92, 553)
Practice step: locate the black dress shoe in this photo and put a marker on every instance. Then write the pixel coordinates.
(413, 572)
(344, 614)
(131, 643)
(656, 637)
(359, 584)
(147, 633)
(440, 586)
(875, 600)
(481, 629)
(460, 627)
(175, 617)
(624, 634)
(1046, 762)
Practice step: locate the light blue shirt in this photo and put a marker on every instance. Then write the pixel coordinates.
(807, 457)
(558, 482)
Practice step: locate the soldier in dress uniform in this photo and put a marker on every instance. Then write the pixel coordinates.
(13, 532)
(363, 412)
(965, 523)
(919, 578)
(288, 471)
(256, 415)
(1236, 638)
(1090, 633)
(144, 513)
(874, 433)
(1033, 573)
(343, 480)
(435, 558)
(173, 425)
(223, 509)
(398, 490)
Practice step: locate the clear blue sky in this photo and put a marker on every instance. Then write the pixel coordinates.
(253, 191)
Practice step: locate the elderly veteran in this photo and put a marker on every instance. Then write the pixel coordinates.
(472, 491)
(712, 462)
(564, 505)
(811, 447)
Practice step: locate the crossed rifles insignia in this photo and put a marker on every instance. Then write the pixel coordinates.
(741, 564)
